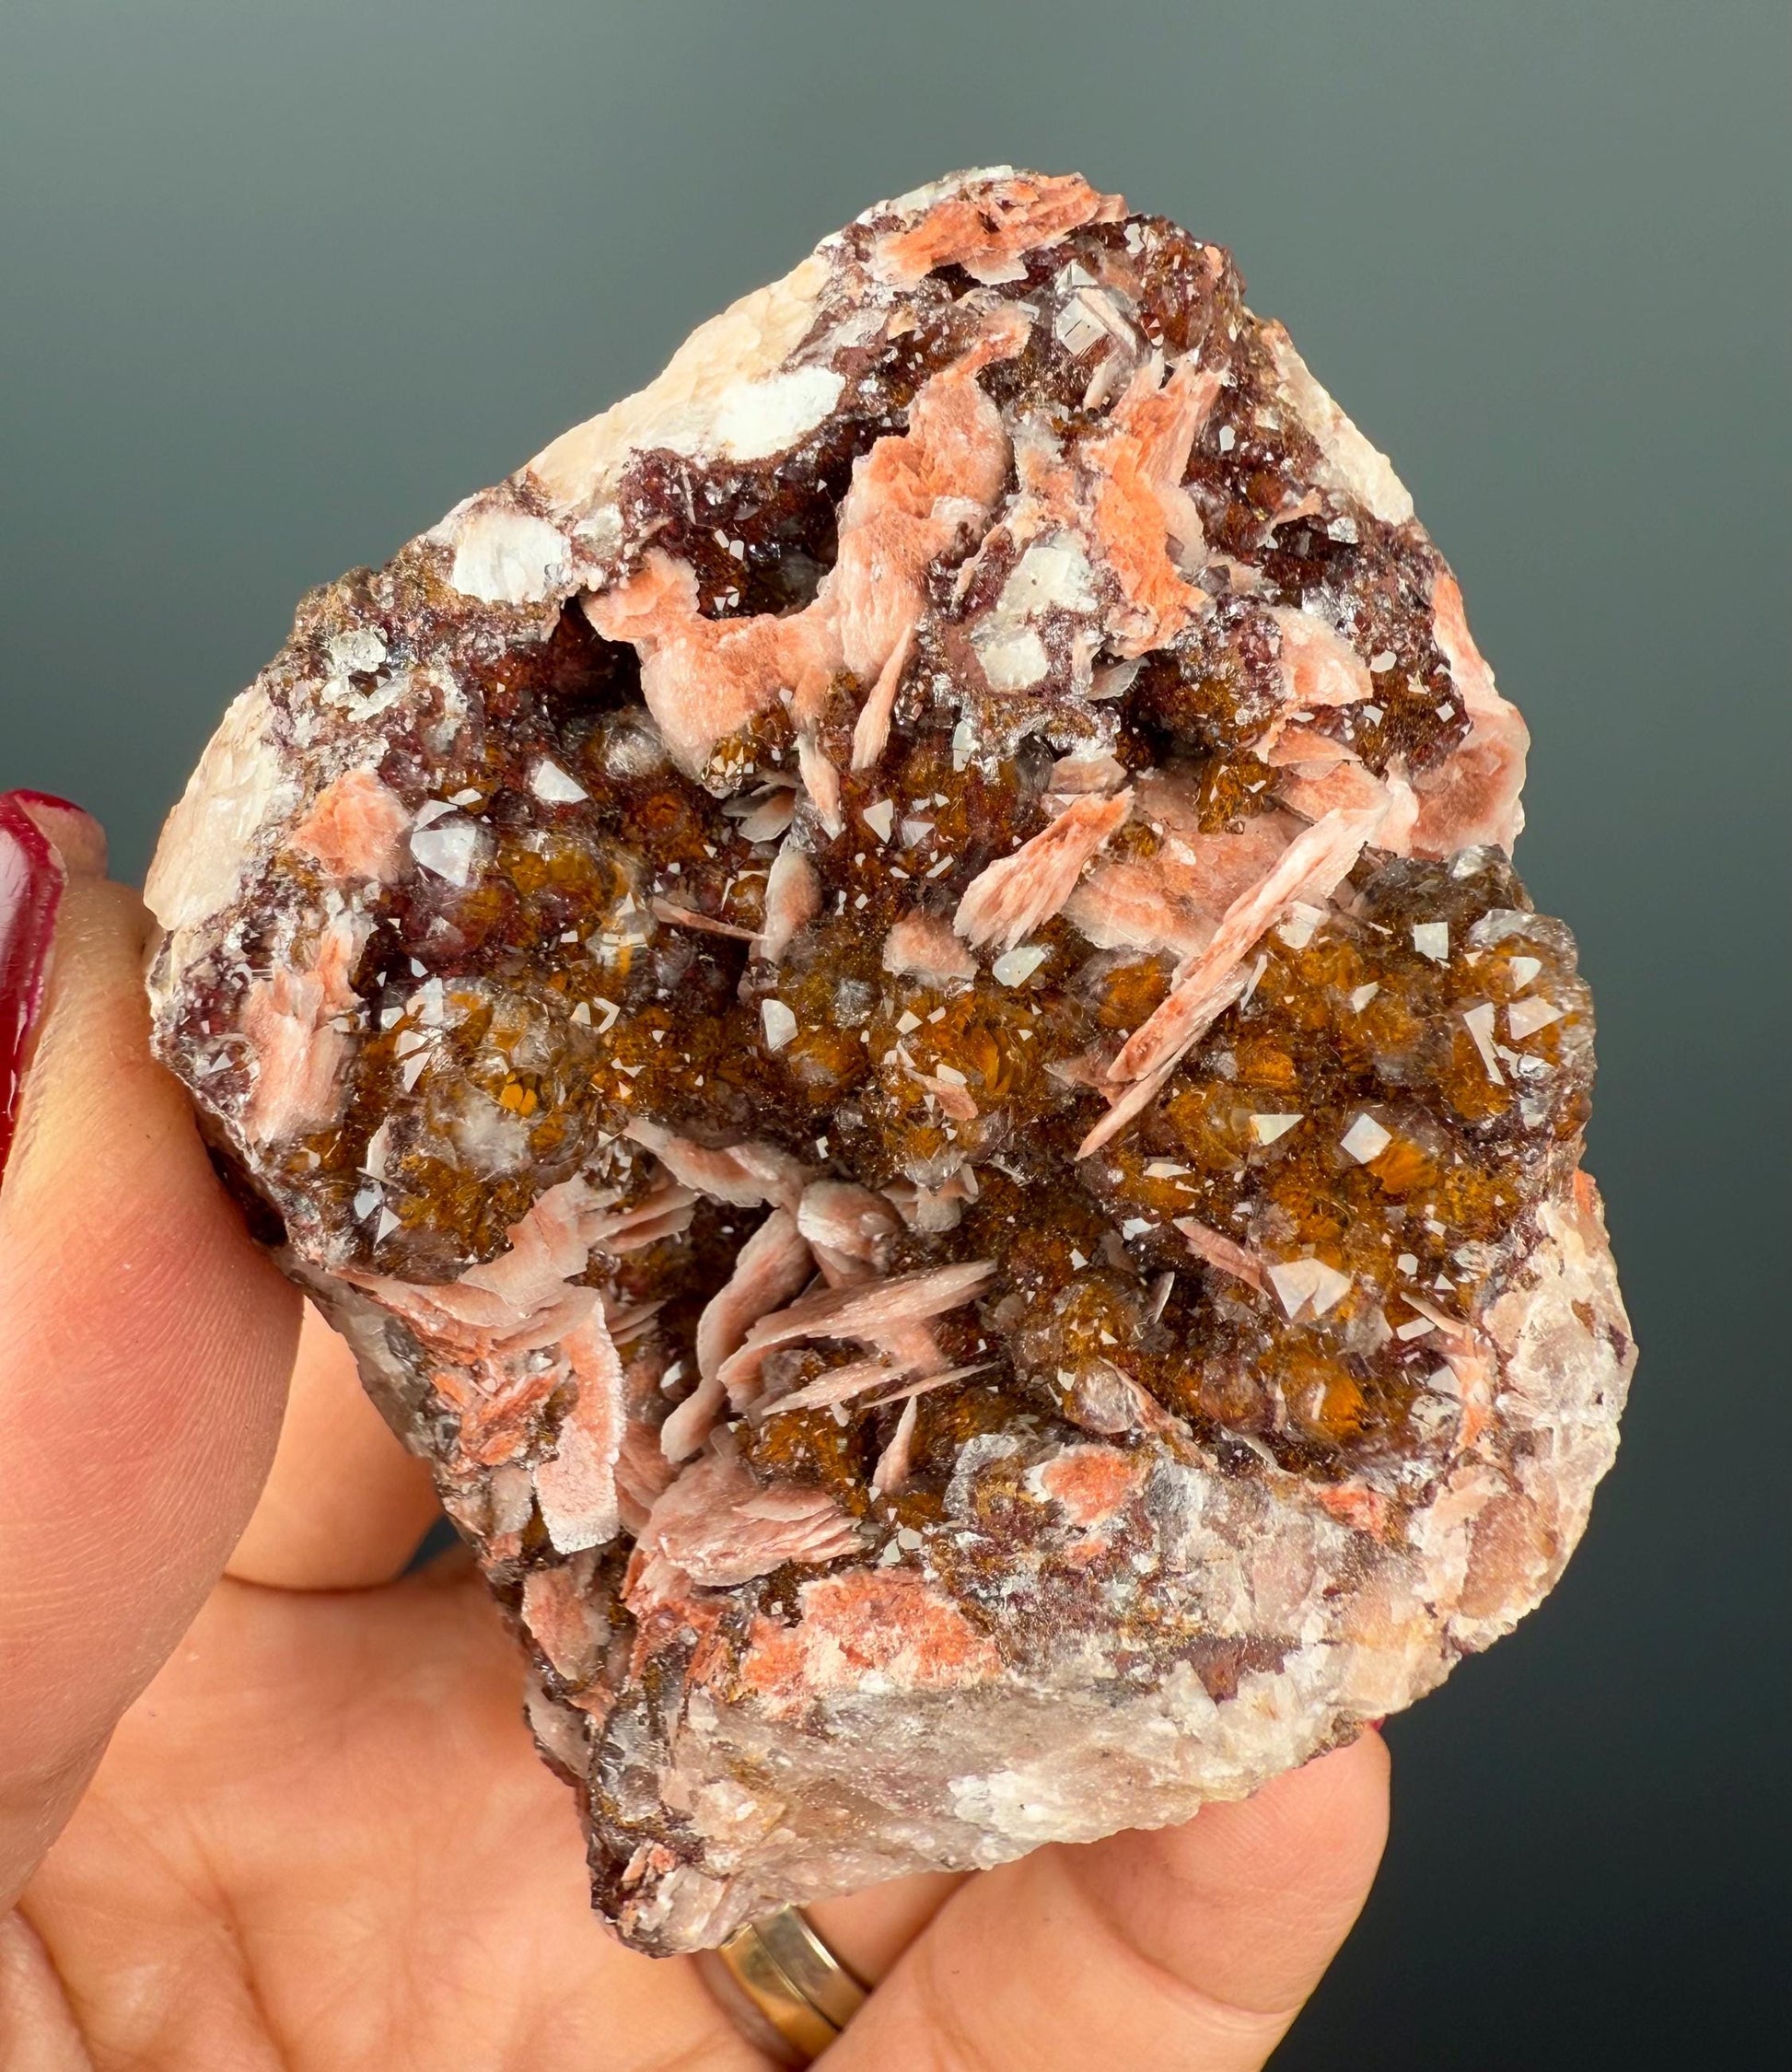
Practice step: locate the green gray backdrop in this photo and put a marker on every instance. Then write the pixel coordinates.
(280, 283)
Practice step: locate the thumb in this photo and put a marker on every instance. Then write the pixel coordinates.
(145, 1340)
(1184, 1950)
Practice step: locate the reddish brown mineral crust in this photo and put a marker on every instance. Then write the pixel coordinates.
(885, 995)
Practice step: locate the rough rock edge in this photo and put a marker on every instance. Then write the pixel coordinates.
(1497, 1535)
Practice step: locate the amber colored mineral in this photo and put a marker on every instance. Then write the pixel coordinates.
(886, 997)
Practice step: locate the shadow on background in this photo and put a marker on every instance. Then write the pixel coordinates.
(280, 287)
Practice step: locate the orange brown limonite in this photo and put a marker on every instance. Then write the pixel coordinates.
(887, 996)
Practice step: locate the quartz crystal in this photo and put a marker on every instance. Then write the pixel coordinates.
(886, 997)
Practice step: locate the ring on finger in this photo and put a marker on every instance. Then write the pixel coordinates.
(791, 1979)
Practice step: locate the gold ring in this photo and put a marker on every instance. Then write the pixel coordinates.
(792, 1981)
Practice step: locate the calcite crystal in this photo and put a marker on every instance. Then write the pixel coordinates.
(886, 997)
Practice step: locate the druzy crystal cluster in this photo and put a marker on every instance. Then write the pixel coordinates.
(887, 996)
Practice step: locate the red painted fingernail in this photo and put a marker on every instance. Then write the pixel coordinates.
(33, 875)
(76, 836)
(25, 795)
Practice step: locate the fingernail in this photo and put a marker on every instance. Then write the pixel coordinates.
(34, 827)
(77, 837)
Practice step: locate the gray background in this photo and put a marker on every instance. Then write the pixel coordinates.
(278, 286)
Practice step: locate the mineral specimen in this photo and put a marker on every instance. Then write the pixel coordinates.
(886, 997)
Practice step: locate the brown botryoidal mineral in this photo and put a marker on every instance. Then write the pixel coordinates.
(886, 997)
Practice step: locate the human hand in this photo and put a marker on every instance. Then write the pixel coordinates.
(291, 1813)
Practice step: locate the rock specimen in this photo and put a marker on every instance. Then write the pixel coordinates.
(886, 997)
